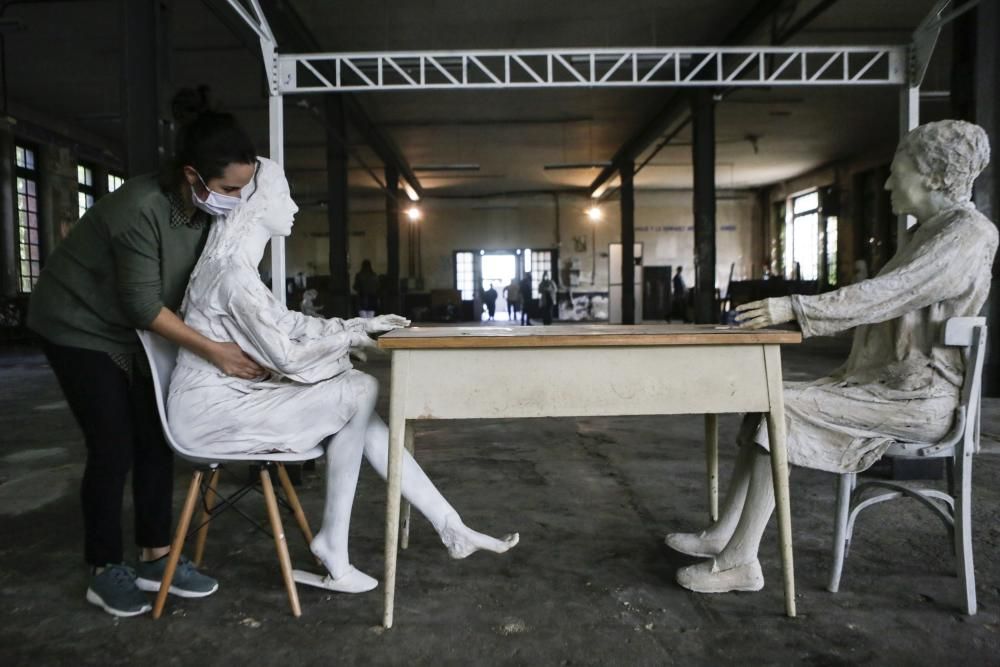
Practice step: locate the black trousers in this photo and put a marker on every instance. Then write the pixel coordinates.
(121, 429)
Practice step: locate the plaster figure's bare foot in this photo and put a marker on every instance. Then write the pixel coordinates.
(702, 545)
(462, 541)
(353, 581)
(342, 580)
(706, 577)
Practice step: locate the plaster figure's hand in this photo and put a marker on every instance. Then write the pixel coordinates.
(383, 323)
(765, 313)
(234, 362)
(360, 345)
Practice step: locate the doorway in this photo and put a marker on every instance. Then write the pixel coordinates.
(498, 269)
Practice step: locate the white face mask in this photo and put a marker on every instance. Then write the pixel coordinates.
(216, 203)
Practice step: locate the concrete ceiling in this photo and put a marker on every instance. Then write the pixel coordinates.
(64, 64)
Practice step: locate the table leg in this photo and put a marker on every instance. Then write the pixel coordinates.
(404, 538)
(712, 464)
(394, 477)
(779, 469)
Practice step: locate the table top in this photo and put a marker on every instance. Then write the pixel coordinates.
(585, 335)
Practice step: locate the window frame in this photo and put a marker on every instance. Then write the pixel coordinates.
(26, 177)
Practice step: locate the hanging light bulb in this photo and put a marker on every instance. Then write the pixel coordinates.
(595, 214)
(413, 213)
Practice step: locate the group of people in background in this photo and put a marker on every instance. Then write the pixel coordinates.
(520, 304)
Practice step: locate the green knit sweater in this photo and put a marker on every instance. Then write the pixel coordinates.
(129, 256)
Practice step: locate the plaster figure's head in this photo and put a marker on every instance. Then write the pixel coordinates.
(270, 203)
(940, 159)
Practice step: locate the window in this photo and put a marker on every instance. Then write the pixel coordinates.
(465, 281)
(85, 188)
(29, 248)
(802, 238)
(539, 261)
(114, 182)
(831, 251)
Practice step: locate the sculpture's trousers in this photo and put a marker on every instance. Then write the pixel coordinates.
(121, 430)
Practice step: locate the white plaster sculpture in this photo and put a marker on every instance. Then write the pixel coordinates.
(311, 393)
(897, 383)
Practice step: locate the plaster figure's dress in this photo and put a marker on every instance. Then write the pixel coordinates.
(899, 382)
(311, 394)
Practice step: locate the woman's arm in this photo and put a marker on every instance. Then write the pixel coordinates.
(228, 357)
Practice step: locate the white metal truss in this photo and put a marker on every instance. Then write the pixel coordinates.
(594, 68)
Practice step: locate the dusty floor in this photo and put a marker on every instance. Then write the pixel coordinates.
(590, 583)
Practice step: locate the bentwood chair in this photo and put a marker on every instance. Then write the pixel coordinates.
(957, 447)
(162, 356)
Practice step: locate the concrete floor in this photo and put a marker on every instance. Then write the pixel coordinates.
(590, 583)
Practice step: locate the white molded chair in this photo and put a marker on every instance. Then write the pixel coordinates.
(957, 447)
(162, 356)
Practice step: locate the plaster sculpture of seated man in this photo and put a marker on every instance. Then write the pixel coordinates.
(897, 383)
(311, 393)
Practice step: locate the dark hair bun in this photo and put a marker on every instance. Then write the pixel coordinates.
(207, 140)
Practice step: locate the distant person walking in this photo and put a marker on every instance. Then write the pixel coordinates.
(366, 286)
(526, 298)
(547, 292)
(490, 299)
(512, 293)
(679, 299)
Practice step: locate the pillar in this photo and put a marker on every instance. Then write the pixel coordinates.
(703, 156)
(337, 206)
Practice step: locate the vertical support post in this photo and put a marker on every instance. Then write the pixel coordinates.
(627, 192)
(276, 116)
(142, 71)
(8, 226)
(712, 464)
(909, 118)
(987, 191)
(703, 155)
(337, 206)
(392, 238)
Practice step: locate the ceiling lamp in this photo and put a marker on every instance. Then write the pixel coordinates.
(595, 214)
(413, 213)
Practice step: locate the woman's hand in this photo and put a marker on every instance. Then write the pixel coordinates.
(234, 362)
(765, 313)
(383, 323)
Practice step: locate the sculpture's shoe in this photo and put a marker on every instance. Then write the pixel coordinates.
(695, 544)
(354, 581)
(706, 577)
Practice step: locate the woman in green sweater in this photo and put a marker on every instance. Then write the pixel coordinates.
(125, 266)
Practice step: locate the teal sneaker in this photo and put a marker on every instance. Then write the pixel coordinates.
(188, 582)
(115, 591)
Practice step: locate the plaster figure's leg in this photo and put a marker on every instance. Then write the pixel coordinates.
(736, 568)
(712, 540)
(420, 492)
(343, 463)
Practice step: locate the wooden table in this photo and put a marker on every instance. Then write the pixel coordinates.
(585, 371)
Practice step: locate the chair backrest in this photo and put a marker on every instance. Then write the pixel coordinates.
(970, 333)
(162, 356)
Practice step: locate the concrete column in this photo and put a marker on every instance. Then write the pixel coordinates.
(703, 155)
(392, 239)
(987, 191)
(8, 223)
(627, 192)
(143, 70)
(337, 207)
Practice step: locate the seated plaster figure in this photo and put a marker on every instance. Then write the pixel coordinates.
(898, 383)
(311, 393)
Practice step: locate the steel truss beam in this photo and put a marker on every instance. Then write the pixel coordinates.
(593, 68)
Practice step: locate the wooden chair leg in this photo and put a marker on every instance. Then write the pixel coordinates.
(293, 500)
(178, 544)
(279, 541)
(963, 532)
(712, 464)
(404, 537)
(844, 488)
(211, 499)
